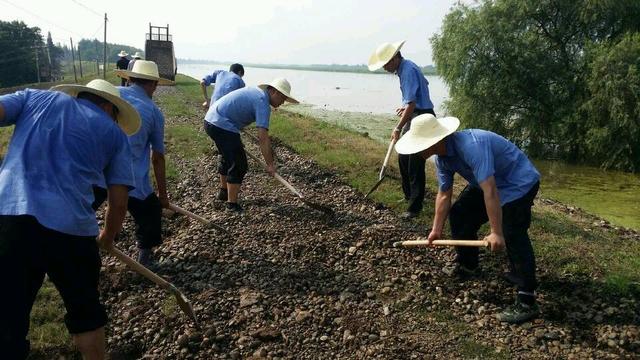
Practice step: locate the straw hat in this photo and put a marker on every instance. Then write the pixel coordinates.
(425, 132)
(122, 53)
(383, 54)
(137, 55)
(282, 85)
(144, 69)
(128, 117)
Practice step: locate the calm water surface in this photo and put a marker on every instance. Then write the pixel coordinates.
(354, 92)
(366, 103)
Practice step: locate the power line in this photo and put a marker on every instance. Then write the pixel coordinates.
(40, 17)
(95, 32)
(87, 8)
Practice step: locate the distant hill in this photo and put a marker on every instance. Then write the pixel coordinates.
(427, 70)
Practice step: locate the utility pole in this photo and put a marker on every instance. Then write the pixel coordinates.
(80, 61)
(104, 64)
(37, 62)
(73, 59)
(50, 65)
(97, 61)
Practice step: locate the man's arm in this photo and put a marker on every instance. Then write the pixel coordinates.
(203, 86)
(118, 195)
(405, 115)
(159, 170)
(494, 213)
(443, 204)
(265, 148)
(1, 113)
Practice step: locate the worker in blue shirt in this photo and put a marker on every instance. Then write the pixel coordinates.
(230, 114)
(415, 101)
(61, 145)
(144, 205)
(502, 184)
(226, 82)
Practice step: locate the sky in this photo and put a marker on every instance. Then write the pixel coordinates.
(252, 31)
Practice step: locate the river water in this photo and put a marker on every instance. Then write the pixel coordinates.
(366, 103)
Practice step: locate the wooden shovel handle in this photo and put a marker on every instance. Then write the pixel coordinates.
(277, 176)
(189, 214)
(424, 242)
(288, 185)
(386, 159)
(137, 267)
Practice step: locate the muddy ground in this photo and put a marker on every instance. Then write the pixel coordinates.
(289, 282)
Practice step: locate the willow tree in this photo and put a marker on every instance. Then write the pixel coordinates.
(521, 67)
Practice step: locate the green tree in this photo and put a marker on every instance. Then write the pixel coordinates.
(612, 112)
(54, 55)
(18, 44)
(519, 67)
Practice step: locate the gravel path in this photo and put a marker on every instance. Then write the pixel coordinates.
(288, 282)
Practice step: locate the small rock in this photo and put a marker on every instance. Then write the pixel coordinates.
(302, 315)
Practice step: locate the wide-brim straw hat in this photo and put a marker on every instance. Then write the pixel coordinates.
(283, 86)
(137, 55)
(426, 131)
(128, 117)
(122, 53)
(144, 69)
(383, 54)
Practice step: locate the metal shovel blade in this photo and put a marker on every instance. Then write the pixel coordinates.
(185, 306)
(374, 187)
(182, 301)
(323, 208)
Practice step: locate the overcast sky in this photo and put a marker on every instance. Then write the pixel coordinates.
(257, 31)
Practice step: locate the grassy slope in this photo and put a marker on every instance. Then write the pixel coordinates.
(564, 248)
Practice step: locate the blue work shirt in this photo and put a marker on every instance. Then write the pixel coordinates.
(149, 137)
(414, 86)
(60, 147)
(478, 154)
(226, 82)
(239, 109)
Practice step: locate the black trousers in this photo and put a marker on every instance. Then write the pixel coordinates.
(234, 160)
(146, 213)
(468, 213)
(412, 172)
(28, 251)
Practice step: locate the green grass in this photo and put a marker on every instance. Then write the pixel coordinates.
(357, 158)
(47, 327)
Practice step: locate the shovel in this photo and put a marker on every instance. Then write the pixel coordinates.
(183, 302)
(384, 167)
(423, 242)
(197, 217)
(323, 208)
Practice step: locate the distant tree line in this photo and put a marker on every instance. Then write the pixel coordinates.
(93, 49)
(25, 51)
(559, 77)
